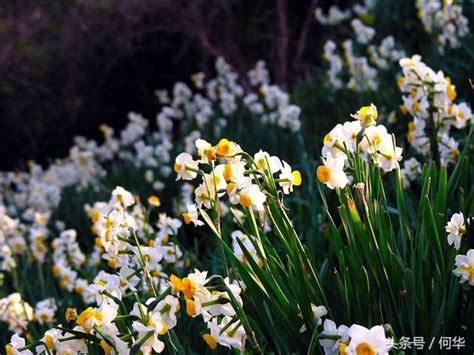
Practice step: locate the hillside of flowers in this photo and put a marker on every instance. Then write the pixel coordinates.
(330, 216)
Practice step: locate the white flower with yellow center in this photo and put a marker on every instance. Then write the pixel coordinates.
(455, 229)
(51, 341)
(465, 267)
(205, 151)
(231, 337)
(266, 162)
(252, 197)
(388, 156)
(332, 173)
(128, 278)
(16, 343)
(185, 167)
(233, 170)
(368, 341)
(105, 282)
(192, 216)
(44, 311)
(121, 198)
(149, 330)
(333, 143)
(463, 115)
(226, 148)
(333, 346)
(374, 137)
(350, 130)
(289, 178)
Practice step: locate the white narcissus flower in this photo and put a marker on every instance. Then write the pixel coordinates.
(16, 343)
(374, 138)
(455, 229)
(333, 143)
(44, 311)
(332, 173)
(332, 346)
(289, 178)
(182, 162)
(368, 341)
(367, 115)
(465, 267)
(233, 170)
(168, 308)
(251, 196)
(156, 326)
(122, 197)
(388, 156)
(192, 215)
(265, 161)
(231, 337)
(51, 341)
(350, 130)
(128, 278)
(205, 151)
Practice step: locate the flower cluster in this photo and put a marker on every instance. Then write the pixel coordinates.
(334, 16)
(15, 312)
(429, 98)
(360, 137)
(444, 20)
(138, 256)
(359, 73)
(223, 95)
(226, 170)
(354, 340)
(456, 229)
(213, 304)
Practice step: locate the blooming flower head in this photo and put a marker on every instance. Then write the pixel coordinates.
(251, 196)
(330, 345)
(265, 161)
(332, 173)
(367, 115)
(368, 341)
(183, 163)
(16, 343)
(205, 151)
(465, 267)
(191, 215)
(455, 229)
(122, 197)
(155, 326)
(289, 178)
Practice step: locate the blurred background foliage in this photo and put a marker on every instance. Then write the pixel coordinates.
(67, 66)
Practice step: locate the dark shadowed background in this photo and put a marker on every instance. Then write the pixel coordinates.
(67, 66)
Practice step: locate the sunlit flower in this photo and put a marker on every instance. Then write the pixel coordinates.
(367, 115)
(368, 341)
(183, 163)
(251, 196)
(332, 173)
